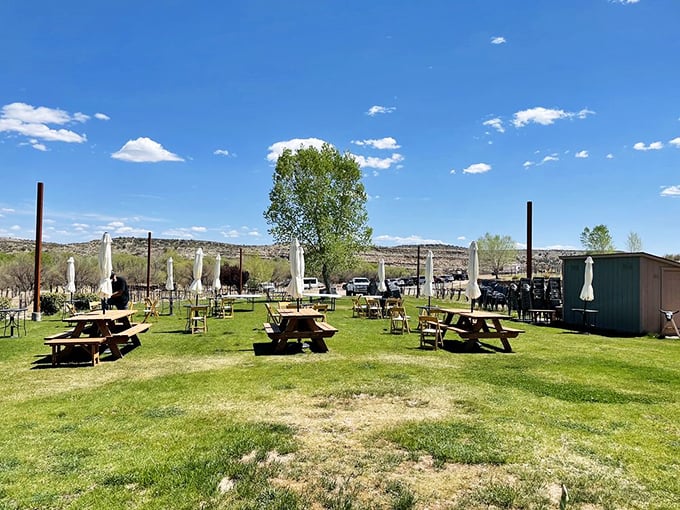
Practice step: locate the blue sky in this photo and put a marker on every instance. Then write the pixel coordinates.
(167, 117)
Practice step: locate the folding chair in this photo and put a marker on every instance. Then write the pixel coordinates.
(430, 331)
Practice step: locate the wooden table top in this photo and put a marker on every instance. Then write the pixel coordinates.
(301, 313)
(99, 315)
(475, 314)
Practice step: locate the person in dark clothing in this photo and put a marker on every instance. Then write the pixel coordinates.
(372, 288)
(121, 293)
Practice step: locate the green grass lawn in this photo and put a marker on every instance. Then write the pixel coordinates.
(201, 422)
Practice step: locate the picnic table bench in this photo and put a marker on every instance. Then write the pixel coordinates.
(474, 325)
(101, 329)
(299, 324)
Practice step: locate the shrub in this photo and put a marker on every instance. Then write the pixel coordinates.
(81, 300)
(5, 302)
(51, 303)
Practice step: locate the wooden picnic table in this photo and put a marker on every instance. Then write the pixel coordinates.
(299, 324)
(94, 331)
(473, 326)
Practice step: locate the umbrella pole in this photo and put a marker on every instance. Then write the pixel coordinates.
(170, 302)
(472, 305)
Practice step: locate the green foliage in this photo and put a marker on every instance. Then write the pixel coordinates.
(51, 303)
(317, 196)
(495, 252)
(5, 302)
(634, 242)
(82, 300)
(597, 240)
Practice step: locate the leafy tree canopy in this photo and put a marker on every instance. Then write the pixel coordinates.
(597, 240)
(495, 252)
(317, 196)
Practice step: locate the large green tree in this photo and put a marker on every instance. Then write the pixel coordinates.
(495, 252)
(318, 197)
(597, 240)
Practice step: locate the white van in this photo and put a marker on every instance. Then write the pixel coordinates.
(310, 284)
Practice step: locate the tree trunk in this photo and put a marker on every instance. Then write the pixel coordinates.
(326, 277)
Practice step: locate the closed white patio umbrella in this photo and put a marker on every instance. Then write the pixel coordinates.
(381, 276)
(217, 283)
(196, 286)
(472, 290)
(429, 276)
(170, 281)
(71, 276)
(587, 292)
(297, 271)
(105, 268)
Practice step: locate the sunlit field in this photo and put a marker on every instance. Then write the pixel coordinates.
(202, 422)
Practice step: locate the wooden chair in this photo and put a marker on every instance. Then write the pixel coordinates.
(198, 319)
(150, 308)
(390, 303)
(322, 308)
(399, 320)
(225, 308)
(359, 309)
(430, 331)
(69, 310)
(373, 308)
(273, 316)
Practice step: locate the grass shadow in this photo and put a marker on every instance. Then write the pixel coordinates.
(267, 349)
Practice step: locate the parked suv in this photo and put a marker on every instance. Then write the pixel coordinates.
(357, 285)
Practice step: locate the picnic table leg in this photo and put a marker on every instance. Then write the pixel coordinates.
(506, 344)
(318, 344)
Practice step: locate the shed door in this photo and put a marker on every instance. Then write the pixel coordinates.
(670, 297)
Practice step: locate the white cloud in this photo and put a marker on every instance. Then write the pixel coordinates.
(276, 149)
(654, 146)
(498, 40)
(610, 156)
(527, 164)
(675, 142)
(199, 229)
(144, 150)
(453, 171)
(101, 116)
(551, 157)
(624, 2)
(495, 123)
(382, 143)
(545, 116)
(31, 115)
(221, 152)
(38, 146)
(32, 122)
(412, 239)
(379, 163)
(581, 154)
(181, 233)
(374, 110)
(230, 233)
(461, 238)
(477, 168)
(671, 191)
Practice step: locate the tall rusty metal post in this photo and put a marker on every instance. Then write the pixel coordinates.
(37, 315)
(529, 239)
(148, 265)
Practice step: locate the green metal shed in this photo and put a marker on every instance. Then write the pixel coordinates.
(630, 289)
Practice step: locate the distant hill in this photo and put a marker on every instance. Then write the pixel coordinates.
(447, 258)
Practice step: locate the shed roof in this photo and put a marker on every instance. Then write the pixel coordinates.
(622, 254)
